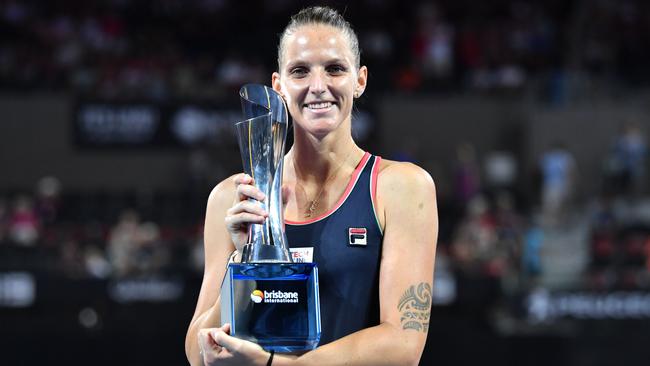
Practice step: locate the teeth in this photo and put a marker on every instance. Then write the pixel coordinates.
(319, 105)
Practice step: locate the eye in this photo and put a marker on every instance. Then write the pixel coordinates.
(336, 69)
(299, 71)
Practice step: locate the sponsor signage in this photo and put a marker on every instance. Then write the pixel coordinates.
(145, 125)
(274, 297)
(543, 305)
(175, 124)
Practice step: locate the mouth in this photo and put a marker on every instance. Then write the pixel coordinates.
(319, 106)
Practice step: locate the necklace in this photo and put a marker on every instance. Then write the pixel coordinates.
(314, 203)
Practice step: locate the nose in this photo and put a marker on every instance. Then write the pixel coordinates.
(318, 82)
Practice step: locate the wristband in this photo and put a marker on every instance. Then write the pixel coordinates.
(270, 361)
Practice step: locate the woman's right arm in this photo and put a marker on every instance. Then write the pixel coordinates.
(228, 214)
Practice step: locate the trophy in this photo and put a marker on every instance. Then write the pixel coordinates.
(267, 298)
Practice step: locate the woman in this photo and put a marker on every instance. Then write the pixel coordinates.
(375, 297)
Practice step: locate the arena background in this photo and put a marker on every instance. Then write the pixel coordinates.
(532, 117)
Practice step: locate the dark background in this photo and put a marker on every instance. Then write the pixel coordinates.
(531, 116)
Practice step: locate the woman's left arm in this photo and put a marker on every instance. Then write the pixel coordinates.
(407, 202)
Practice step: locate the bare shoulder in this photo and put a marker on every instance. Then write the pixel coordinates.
(402, 178)
(403, 188)
(223, 192)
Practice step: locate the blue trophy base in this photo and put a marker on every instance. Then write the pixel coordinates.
(275, 305)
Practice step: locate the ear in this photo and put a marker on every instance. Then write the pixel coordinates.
(362, 79)
(275, 83)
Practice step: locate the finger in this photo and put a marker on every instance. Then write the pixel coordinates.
(247, 206)
(240, 220)
(243, 178)
(205, 339)
(224, 340)
(246, 191)
(226, 328)
(208, 348)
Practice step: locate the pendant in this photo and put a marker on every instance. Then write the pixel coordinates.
(311, 209)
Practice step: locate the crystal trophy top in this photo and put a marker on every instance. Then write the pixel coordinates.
(262, 136)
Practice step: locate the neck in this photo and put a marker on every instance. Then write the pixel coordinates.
(314, 159)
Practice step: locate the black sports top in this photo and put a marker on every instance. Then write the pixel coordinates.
(347, 244)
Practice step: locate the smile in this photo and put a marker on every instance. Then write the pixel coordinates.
(319, 105)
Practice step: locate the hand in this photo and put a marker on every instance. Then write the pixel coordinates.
(219, 348)
(244, 211)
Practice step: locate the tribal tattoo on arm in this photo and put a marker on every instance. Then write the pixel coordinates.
(415, 307)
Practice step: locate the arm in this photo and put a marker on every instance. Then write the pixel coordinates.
(227, 204)
(406, 196)
(407, 207)
(217, 246)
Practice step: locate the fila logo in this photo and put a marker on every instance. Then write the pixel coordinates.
(357, 236)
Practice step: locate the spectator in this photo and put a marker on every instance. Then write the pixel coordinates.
(500, 170)
(475, 238)
(467, 178)
(47, 199)
(24, 225)
(95, 262)
(627, 160)
(433, 43)
(558, 177)
(150, 256)
(531, 251)
(122, 243)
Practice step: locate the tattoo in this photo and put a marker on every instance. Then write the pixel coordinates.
(415, 307)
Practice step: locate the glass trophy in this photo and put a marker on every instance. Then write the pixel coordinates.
(267, 298)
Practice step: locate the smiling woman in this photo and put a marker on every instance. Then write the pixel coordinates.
(319, 77)
(370, 224)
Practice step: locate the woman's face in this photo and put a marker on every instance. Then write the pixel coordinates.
(318, 78)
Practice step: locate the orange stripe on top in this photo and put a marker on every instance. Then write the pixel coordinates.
(348, 189)
(374, 174)
(373, 177)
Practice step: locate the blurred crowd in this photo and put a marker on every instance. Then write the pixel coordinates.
(100, 234)
(620, 236)
(490, 227)
(201, 48)
(490, 230)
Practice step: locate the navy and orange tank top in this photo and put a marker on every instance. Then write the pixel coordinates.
(347, 244)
